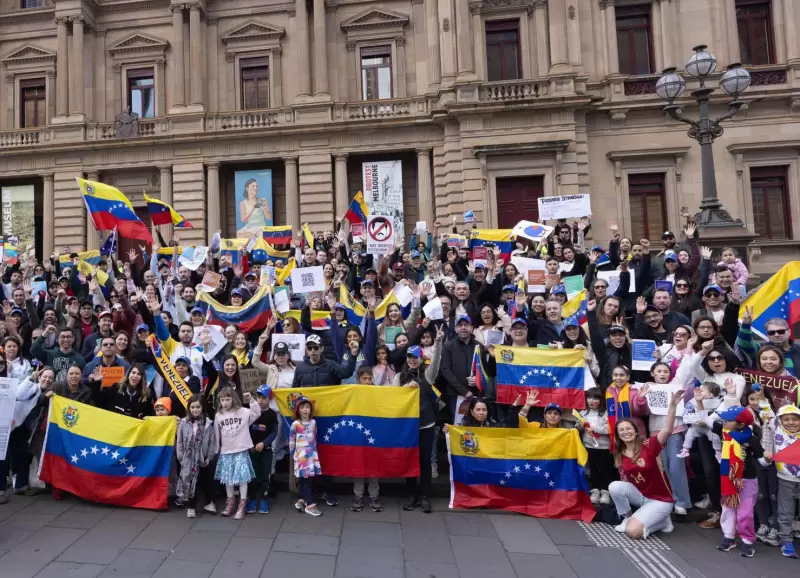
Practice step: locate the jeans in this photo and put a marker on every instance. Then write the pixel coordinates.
(373, 487)
(653, 515)
(435, 447)
(676, 470)
(767, 505)
(788, 492)
(426, 438)
(741, 517)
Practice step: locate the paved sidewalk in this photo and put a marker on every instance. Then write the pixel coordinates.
(43, 538)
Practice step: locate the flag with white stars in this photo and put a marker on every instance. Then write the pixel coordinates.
(777, 297)
(110, 209)
(106, 457)
(535, 472)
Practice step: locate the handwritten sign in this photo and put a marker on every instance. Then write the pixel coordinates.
(210, 281)
(252, 379)
(112, 376)
(783, 388)
(566, 207)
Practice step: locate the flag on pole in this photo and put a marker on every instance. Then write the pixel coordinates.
(163, 214)
(110, 245)
(110, 209)
(358, 211)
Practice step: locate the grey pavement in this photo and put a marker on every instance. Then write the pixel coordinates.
(43, 538)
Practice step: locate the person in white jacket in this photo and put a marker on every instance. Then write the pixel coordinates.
(712, 364)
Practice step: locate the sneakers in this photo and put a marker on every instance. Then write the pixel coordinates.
(375, 504)
(669, 528)
(711, 522)
(358, 504)
(594, 496)
(727, 545)
(191, 513)
(762, 532)
(679, 511)
(772, 538)
(3, 498)
(787, 549)
(704, 503)
(605, 497)
(434, 470)
(263, 507)
(228, 509)
(211, 508)
(241, 509)
(251, 506)
(412, 503)
(300, 505)
(684, 453)
(331, 500)
(313, 510)
(622, 526)
(425, 504)
(746, 550)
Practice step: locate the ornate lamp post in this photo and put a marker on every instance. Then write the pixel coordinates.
(705, 130)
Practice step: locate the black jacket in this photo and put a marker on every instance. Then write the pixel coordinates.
(457, 366)
(326, 372)
(607, 355)
(264, 429)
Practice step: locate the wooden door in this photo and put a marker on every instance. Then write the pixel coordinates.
(517, 200)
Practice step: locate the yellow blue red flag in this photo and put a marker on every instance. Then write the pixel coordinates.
(109, 208)
(576, 308)
(358, 211)
(538, 472)
(163, 214)
(278, 235)
(253, 315)
(106, 457)
(557, 374)
(500, 238)
(778, 297)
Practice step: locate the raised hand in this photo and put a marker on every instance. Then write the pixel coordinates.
(705, 252)
(612, 226)
(641, 305)
(439, 334)
(685, 212)
(131, 255)
(707, 346)
(591, 305)
(690, 229)
(730, 386)
(676, 398)
(747, 316)
(154, 305)
(623, 266)
(531, 398)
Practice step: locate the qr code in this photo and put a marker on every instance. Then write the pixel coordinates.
(657, 399)
(307, 279)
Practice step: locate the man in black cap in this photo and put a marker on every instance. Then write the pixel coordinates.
(103, 329)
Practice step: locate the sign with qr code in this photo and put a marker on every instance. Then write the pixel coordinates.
(658, 398)
(308, 280)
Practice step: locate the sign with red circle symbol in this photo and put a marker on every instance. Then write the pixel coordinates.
(380, 235)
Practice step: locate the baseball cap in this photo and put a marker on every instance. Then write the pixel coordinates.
(197, 311)
(463, 317)
(552, 405)
(571, 321)
(142, 327)
(414, 351)
(480, 266)
(88, 302)
(788, 410)
(371, 270)
(603, 259)
(237, 291)
(616, 329)
(265, 390)
(17, 311)
(738, 414)
(598, 248)
(652, 308)
(315, 339)
(712, 287)
(183, 359)
(250, 274)
(510, 287)
(340, 306)
(666, 234)
(518, 321)
(104, 313)
(367, 282)
(397, 266)
(558, 290)
(281, 348)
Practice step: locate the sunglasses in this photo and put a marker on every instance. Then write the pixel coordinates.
(776, 331)
(712, 294)
(312, 347)
(681, 286)
(716, 358)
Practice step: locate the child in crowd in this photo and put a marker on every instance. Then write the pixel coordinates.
(741, 449)
(760, 403)
(234, 467)
(699, 415)
(163, 406)
(303, 448)
(739, 269)
(364, 376)
(262, 433)
(787, 432)
(594, 432)
(196, 448)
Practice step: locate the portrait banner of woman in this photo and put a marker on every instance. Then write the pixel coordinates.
(253, 201)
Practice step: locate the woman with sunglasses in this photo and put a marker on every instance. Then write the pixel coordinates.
(673, 353)
(778, 335)
(684, 300)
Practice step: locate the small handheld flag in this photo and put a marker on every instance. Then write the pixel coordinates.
(163, 214)
(358, 211)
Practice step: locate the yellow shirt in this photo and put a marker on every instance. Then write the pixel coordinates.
(523, 422)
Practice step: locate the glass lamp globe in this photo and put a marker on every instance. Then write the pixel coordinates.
(735, 81)
(670, 86)
(701, 63)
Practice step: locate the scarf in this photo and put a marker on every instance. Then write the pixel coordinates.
(731, 468)
(617, 408)
(242, 357)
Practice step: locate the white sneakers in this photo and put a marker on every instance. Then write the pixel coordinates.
(211, 508)
(191, 513)
(622, 526)
(605, 497)
(680, 511)
(594, 496)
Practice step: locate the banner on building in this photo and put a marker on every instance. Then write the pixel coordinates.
(19, 214)
(253, 201)
(383, 191)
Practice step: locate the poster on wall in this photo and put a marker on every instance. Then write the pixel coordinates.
(253, 201)
(383, 191)
(18, 214)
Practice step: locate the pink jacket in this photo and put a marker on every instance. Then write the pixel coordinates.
(233, 428)
(739, 270)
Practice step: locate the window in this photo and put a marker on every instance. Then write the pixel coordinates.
(770, 202)
(633, 40)
(502, 50)
(255, 83)
(376, 72)
(142, 92)
(754, 20)
(32, 4)
(33, 98)
(647, 197)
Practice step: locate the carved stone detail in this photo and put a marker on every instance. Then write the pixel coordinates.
(571, 12)
(400, 41)
(375, 18)
(253, 31)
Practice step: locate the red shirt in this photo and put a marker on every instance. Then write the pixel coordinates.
(647, 473)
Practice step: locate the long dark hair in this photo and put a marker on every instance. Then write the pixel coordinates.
(777, 351)
(595, 393)
(247, 184)
(197, 398)
(569, 344)
(469, 419)
(235, 379)
(140, 389)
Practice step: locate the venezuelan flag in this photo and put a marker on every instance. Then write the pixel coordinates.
(363, 431)
(358, 211)
(251, 316)
(105, 457)
(576, 307)
(11, 250)
(534, 472)
(319, 319)
(262, 250)
(477, 369)
(90, 257)
(109, 208)
(777, 297)
(281, 235)
(163, 214)
(380, 308)
(308, 236)
(501, 238)
(165, 253)
(557, 374)
(285, 273)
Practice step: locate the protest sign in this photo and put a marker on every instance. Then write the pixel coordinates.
(457, 241)
(112, 376)
(659, 396)
(642, 351)
(268, 275)
(281, 300)
(531, 231)
(210, 281)
(433, 309)
(251, 379)
(380, 235)
(421, 229)
(218, 340)
(566, 207)
(612, 278)
(573, 284)
(783, 388)
(494, 337)
(469, 216)
(8, 394)
(357, 230)
(392, 331)
(308, 280)
(193, 257)
(536, 280)
(524, 264)
(296, 342)
(462, 407)
(404, 295)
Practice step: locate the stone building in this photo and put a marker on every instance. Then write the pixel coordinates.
(487, 104)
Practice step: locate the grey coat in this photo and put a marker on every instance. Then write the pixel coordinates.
(190, 458)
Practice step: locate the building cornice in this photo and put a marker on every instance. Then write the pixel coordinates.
(554, 146)
(647, 153)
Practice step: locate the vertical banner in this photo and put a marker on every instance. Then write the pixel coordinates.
(253, 201)
(19, 214)
(383, 191)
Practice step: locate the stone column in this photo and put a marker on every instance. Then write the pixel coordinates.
(479, 43)
(48, 225)
(277, 75)
(165, 172)
(292, 193)
(62, 69)
(611, 35)
(161, 98)
(734, 55)
(320, 51)
(557, 20)
(657, 37)
(574, 36)
(179, 70)
(92, 234)
(425, 187)
(342, 192)
(789, 20)
(196, 55)
(12, 120)
(77, 66)
(464, 50)
(667, 31)
(301, 50)
(542, 48)
(214, 219)
(432, 39)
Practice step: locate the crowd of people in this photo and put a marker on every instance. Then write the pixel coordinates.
(643, 467)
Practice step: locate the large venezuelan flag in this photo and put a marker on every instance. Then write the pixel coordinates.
(363, 431)
(576, 307)
(778, 297)
(251, 316)
(557, 374)
(500, 238)
(538, 472)
(105, 457)
(90, 257)
(279, 235)
(109, 208)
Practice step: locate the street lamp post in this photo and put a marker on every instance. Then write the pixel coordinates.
(705, 130)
